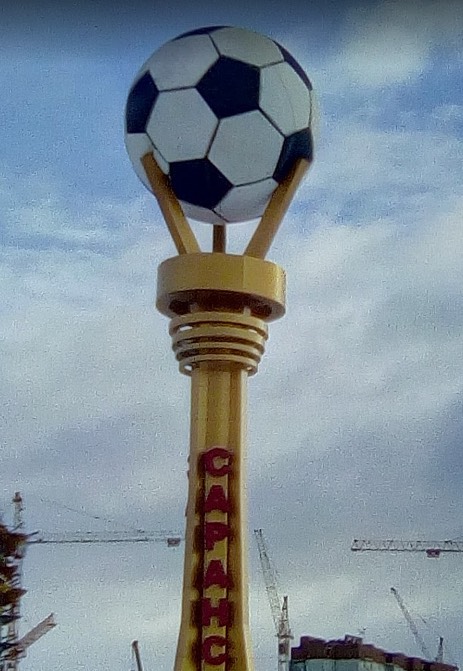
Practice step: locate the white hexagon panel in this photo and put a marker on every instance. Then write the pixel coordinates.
(289, 114)
(226, 113)
(257, 154)
(246, 46)
(171, 70)
(254, 197)
(181, 125)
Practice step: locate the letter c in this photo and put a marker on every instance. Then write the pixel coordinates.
(210, 458)
(211, 642)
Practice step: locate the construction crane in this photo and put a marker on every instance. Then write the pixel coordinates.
(13, 544)
(433, 549)
(278, 607)
(416, 634)
(411, 624)
(136, 656)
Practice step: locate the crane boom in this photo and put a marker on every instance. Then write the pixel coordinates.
(17, 649)
(411, 624)
(432, 548)
(279, 609)
(105, 537)
(269, 578)
(36, 633)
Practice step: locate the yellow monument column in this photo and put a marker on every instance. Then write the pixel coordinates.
(219, 305)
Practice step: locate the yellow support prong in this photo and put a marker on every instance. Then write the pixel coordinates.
(273, 215)
(179, 228)
(219, 239)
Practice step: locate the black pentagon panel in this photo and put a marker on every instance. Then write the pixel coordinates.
(295, 65)
(230, 87)
(140, 102)
(198, 182)
(199, 31)
(297, 145)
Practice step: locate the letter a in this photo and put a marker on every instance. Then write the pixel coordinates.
(215, 575)
(216, 500)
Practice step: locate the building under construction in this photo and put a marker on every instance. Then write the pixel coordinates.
(312, 654)
(13, 543)
(352, 654)
(12, 547)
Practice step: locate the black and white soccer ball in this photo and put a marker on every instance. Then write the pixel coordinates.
(225, 112)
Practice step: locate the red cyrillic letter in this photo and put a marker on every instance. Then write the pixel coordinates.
(215, 575)
(214, 532)
(211, 642)
(216, 500)
(209, 461)
(221, 612)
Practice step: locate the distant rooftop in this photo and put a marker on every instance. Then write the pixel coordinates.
(353, 648)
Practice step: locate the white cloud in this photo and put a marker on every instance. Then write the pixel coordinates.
(354, 418)
(384, 55)
(366, 360)
(391, 42)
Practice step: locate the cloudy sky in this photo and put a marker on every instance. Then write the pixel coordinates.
(355, 422)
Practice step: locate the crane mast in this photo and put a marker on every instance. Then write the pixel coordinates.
(278, 607)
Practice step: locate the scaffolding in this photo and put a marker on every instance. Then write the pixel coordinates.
(12, 549)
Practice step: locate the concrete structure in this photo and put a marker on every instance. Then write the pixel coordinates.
(352, 654)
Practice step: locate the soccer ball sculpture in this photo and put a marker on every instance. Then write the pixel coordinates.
(226, 112)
